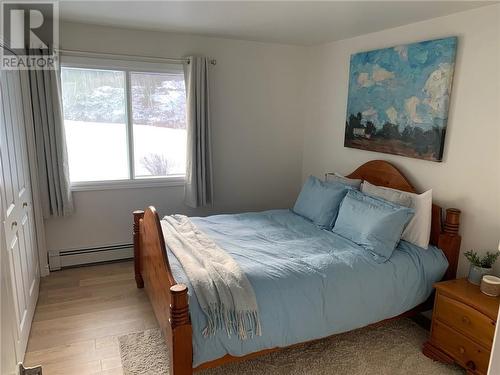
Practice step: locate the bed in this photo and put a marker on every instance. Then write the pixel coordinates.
(309, 282)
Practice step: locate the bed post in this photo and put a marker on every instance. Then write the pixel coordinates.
(138, 215)
(181, 353)
(450, 240)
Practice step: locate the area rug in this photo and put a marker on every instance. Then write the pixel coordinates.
(388, 349)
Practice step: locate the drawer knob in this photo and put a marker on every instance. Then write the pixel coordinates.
(465, 320)
(462, 350)
(471, 365)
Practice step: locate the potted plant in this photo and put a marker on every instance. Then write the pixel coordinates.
(479, 266)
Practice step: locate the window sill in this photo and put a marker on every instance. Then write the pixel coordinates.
(128, 184)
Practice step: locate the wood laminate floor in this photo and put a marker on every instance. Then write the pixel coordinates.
(79, 315)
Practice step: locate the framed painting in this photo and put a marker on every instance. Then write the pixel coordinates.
(399, 97)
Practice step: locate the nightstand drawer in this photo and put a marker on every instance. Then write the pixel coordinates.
(465, 319)
(463, 350)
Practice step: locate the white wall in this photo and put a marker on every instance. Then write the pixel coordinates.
(257, 132)
(469, 176)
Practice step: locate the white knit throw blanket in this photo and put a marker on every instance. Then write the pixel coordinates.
(223, 290)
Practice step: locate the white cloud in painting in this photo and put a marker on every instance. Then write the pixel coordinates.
(364, 80)
(380, 74)
(437, 90)
(411, 109)
(402, 51)
(377, 76)
(392, 114)
(370, 114)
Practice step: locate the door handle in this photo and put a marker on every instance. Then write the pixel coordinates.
(25, 204)
(13, 225)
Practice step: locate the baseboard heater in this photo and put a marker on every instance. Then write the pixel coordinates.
(59, 259)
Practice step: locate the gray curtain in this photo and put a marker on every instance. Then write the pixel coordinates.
(198, 190)
(42, 101)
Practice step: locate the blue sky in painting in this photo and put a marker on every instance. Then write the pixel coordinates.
(404, 85)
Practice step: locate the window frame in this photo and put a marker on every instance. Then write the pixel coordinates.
(127, 67)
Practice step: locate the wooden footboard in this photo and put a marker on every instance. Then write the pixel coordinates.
(169, 299)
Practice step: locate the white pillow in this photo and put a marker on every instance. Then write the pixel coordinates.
(337, 177)
(392, 195)
(418, 230)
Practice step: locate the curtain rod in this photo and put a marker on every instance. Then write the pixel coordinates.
(115, 56)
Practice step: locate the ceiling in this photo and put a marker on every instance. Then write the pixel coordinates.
(293, 22)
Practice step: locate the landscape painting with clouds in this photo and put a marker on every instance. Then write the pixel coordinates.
(399, 98)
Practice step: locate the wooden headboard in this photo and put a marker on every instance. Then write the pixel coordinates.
(443, 235)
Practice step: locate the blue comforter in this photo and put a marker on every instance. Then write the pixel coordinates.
(309, 282)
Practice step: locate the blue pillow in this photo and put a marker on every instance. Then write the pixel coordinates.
(372, 223)
(319, 201)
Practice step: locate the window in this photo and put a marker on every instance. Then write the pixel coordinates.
(124, 125)
(159, 124)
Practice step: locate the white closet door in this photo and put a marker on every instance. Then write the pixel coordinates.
(8, 332)
(18, 215)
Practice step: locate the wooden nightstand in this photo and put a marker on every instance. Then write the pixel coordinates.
(463, 326)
